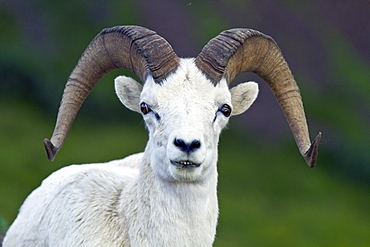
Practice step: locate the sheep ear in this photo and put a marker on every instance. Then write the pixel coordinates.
(242, 96)
(128, 91)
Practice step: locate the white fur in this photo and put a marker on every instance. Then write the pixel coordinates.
(144, 199)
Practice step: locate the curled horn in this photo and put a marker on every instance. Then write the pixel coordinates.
(134, 48)
(240, 50)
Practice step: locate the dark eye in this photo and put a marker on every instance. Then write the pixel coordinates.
(145, 109)
(226, 110)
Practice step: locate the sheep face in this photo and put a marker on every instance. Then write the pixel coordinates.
(185, 115)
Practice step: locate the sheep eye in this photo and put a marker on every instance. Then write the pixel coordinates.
(226, 110)
(145, 109)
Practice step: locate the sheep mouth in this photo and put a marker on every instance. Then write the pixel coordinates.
(184, 164)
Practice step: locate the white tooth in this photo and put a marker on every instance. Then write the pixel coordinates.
(186, 163)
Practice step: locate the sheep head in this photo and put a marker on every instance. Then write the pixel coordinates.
(190, 95)
(185, 115)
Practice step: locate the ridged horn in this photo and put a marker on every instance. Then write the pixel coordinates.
(240, 50)
(134, 48)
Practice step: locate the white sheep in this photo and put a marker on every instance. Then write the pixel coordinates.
(167, 195)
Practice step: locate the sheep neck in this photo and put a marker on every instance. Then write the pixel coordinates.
(176, 212)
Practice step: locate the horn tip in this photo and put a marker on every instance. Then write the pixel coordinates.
(51, 150)
(311, 154)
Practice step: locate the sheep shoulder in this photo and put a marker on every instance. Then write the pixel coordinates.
(77, 201)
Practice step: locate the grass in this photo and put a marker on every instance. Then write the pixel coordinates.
(267, 195)
(275, 200)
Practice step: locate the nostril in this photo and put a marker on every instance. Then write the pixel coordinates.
(179, 143)
(186, 147)
(195, 144)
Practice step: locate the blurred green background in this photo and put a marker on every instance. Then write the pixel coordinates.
(267, 195)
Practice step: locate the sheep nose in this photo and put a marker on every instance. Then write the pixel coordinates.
(187, 146)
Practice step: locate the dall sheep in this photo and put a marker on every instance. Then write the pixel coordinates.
(167, 195)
